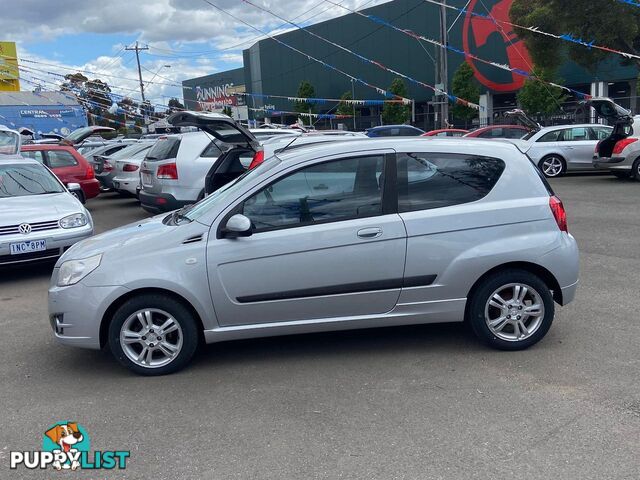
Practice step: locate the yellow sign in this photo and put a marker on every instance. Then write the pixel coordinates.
(9, 73)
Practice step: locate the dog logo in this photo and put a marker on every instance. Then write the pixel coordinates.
(66, 446)
(67, 437)
(24, 228)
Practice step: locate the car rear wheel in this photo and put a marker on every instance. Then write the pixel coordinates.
(511, 310)
(635, 171)
(153, 335)
(552, 166)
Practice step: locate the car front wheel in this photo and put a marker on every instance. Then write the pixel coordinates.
(511, 310)
(153, 335)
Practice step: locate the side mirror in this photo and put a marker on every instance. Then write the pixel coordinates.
(237, 226)
(74, 187)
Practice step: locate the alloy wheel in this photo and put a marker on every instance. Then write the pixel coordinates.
(552, 166)
(151, 338)
(514, 312)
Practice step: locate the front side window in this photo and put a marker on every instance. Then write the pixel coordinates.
(331, 191)
(9, 142)
(23, 180)
(61, 158)
(435, 180)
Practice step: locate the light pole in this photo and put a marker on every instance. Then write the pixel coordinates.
(353, 97)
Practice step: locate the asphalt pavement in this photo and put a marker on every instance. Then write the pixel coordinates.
(425, 402)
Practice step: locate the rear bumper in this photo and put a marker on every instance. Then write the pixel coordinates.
(612, 163)
(90, 188)
(160, 202)
(127, 184)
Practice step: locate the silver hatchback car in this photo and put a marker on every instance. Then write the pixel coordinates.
(336, 236)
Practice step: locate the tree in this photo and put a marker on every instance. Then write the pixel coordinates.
(73, 82)
(537, 98)
(396, 113)
(227, 111)
(615, 25)
(175, 104)
(305, 90)
(345, 108)
(464, 85)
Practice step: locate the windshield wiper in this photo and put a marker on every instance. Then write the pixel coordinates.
(179, 215)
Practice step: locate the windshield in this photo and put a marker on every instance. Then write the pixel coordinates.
(225, 192)
(30, 179)
(131, 151)
(8, 143)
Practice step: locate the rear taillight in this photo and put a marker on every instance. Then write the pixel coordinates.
(129, 167)
(598, 146)
(258, 158)
(90, 173)
(559, 213)
(168, 172)
(622, 144)
(106, 166)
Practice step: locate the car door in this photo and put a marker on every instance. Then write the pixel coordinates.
(324, 245)
(577, 147)
(64, 165)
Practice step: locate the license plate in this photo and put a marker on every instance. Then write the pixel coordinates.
(146, 179)
(28, 247)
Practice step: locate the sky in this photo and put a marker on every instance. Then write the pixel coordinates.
(186, 38)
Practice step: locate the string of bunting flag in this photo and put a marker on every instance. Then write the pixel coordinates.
(325, 100)
(412, 34)
(381, 91)
(452, 98)
(321, 116)
(567, 37)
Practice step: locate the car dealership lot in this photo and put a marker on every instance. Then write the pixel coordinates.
(411, 402)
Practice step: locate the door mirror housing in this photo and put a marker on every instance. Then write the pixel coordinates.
(74, 187)
(237, 226)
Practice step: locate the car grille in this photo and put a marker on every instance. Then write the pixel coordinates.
(35, 227)
(50, 253)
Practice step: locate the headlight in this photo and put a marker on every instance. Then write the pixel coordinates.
(74, 221)
(72, 271)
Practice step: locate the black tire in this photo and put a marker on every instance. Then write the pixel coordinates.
(635, 170)
(480, 297)
(80, 196)
(559, 174)
(177, 310)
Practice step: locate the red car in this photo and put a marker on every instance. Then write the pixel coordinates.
(68, 165)
(445, 132)
(499, 131)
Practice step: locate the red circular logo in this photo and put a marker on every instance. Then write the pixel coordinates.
(484, 38)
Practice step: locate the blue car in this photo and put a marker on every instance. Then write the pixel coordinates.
(394, 131)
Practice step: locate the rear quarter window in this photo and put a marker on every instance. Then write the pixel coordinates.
(163, 149)
(436, 180)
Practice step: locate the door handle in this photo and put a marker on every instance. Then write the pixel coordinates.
(370, 232)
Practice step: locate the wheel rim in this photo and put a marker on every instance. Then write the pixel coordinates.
(514, 312)
(552, 166)
(151, 338)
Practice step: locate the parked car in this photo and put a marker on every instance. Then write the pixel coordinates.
(91, 154)
(39, 217)
(394, 131)
(126, 179)
(499, 131)
(173, 172)
(346, 235)
(105, 166)
(620, 151)
(68, 165)
(446, 132)
(264, 133)
(563, 148)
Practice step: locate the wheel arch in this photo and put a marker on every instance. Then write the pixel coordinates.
(117, 303)
(545, 275)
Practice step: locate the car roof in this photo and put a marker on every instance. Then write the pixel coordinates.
(46, 146)
(579, 125)
(472, 146)
(17, 160)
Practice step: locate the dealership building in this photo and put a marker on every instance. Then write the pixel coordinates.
(271, 68)
(41, 112)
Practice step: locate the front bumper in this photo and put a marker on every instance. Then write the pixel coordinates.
(159, 202)
(58, 241)
(76, 312)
